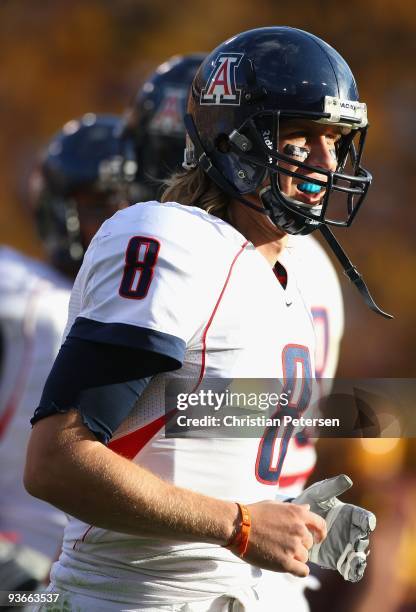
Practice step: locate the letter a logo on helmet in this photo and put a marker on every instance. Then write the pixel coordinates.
(221, 87)
(168, 118)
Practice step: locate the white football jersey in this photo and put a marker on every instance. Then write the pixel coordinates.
(33, 311)
(322, 291)
(176, 280)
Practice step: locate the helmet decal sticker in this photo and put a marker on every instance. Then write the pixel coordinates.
(168, 118)
(221, 87)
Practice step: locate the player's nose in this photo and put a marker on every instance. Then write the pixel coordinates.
(322, 154)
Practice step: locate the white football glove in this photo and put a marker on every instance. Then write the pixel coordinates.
(348, 527)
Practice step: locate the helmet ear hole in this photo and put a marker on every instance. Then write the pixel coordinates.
(222, 143)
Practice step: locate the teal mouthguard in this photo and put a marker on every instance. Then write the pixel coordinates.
(309, 188)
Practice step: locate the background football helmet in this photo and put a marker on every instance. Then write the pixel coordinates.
(155, 122)
(86, 174)
(243, 91)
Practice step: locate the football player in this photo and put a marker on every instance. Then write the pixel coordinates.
(83, 177)
(155, 125)
(154, 122)
(186, 290)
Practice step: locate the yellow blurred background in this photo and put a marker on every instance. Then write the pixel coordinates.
(62, 58)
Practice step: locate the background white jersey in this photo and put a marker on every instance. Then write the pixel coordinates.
(33, 310)
(322, 291)
(176, 280)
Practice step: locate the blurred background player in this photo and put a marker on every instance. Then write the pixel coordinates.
(85, 175)
(155, 122)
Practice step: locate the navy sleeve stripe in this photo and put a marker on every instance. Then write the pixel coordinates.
(123, 334)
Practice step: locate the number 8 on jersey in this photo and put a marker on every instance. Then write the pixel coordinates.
(141, 256)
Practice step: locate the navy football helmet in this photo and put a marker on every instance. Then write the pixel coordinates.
(86, 174)
(243, 93)
(156, 124)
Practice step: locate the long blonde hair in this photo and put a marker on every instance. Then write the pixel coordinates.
(194, 188)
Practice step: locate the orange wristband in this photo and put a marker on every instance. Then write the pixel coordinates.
(242, 536)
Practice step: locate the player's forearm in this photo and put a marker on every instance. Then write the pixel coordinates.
(116, 494)
(90, 482)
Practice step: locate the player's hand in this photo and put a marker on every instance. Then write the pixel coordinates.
(281, 536)
(348, 527)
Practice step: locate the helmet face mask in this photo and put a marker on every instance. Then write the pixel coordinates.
(343, 189)
(59, 228)
(244, 93)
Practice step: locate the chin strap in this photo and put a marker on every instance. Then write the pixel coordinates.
(351, 271)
